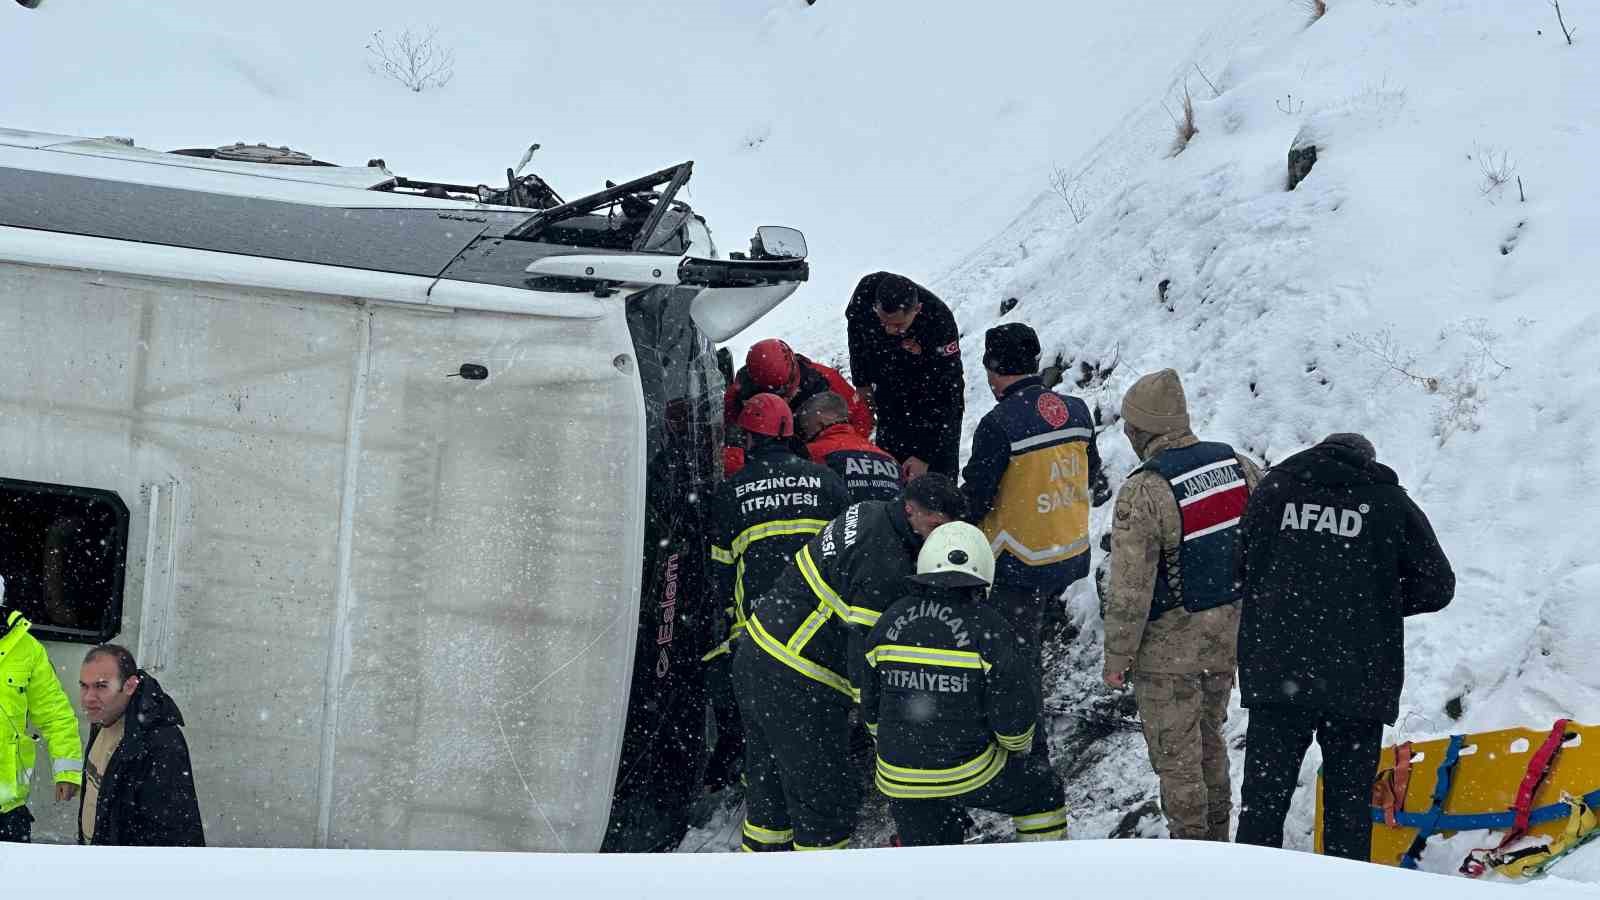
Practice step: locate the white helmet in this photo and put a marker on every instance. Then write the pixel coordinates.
(956, 554)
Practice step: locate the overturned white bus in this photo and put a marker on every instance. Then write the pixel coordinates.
(393, 484)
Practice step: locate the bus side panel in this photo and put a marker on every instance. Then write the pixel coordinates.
(243, 403)
(494, 599)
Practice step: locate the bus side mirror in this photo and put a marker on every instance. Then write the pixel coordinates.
(778, 242)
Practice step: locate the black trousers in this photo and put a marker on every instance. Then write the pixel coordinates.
(1023, 609)
(16, 826)
(1275, 745)
(723, 769)
(800, 789)
(943, 454)
(1026, 789)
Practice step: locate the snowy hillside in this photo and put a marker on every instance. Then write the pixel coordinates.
(1405, 289)
(1399, 291)
(1091, 868)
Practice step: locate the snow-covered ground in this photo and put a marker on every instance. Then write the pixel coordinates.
(1399, 291)
(1131, 869)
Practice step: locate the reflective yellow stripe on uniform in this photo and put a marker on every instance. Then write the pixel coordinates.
(819, 586)
(926, 656)
(735, 631)
(1045, 826)
(738, 595)
(809, 628)
(915, 784)
(767, 835)
(1016, 742)
(839, 846)
(721, 555)
(860, 615)
(778, 651)
(775, 528)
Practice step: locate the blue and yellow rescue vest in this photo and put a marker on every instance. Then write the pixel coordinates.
(1039, 524)
(1209, 486)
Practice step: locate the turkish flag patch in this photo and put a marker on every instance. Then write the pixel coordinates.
(1052, 409)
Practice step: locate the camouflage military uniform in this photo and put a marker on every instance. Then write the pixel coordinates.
(1182, 663)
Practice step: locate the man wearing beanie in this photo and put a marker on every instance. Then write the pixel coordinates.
(1172, 613)
(1028, 486)
(905, 357)
(1333, 557)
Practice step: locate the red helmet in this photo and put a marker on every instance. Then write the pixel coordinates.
(767, 414)
(770, 364)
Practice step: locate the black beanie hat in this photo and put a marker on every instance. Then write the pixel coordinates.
(1011, 349)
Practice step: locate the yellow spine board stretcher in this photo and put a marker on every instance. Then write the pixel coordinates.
(1489, 770)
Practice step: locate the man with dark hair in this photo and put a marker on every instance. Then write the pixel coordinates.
(1029, 482)
(30, 691)
(1334, 557)
(905, 356)
(869, 473)
(1172, 611)
(797, 672)
(760, 517)
(140, 786)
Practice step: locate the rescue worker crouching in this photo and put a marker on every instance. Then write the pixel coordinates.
(869, 472)
(1033, 474)
(954, 705)
(760, 517)
(772, 367)
(796, 671)
(1172, 613)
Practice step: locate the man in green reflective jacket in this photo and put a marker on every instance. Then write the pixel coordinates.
(29, 690)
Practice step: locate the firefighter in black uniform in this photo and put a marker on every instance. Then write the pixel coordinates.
(905, 357)
(793, 672)
(954, 704)
(760, 518)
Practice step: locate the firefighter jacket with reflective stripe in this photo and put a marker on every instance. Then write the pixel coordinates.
(815, 378)
(1208, 483)
(29, 690)
(760, 518)
(946, 694)
(1028, 485)
(817, 614)
(869, 473)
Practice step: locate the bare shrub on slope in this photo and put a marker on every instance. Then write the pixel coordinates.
(1185, 127)
(1069, 188)
(415, 59)
(1461, 393)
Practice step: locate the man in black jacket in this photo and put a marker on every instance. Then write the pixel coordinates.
(905, 357)
(138, 785)
(1333, 556)
(797, 671)
(760, 517)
